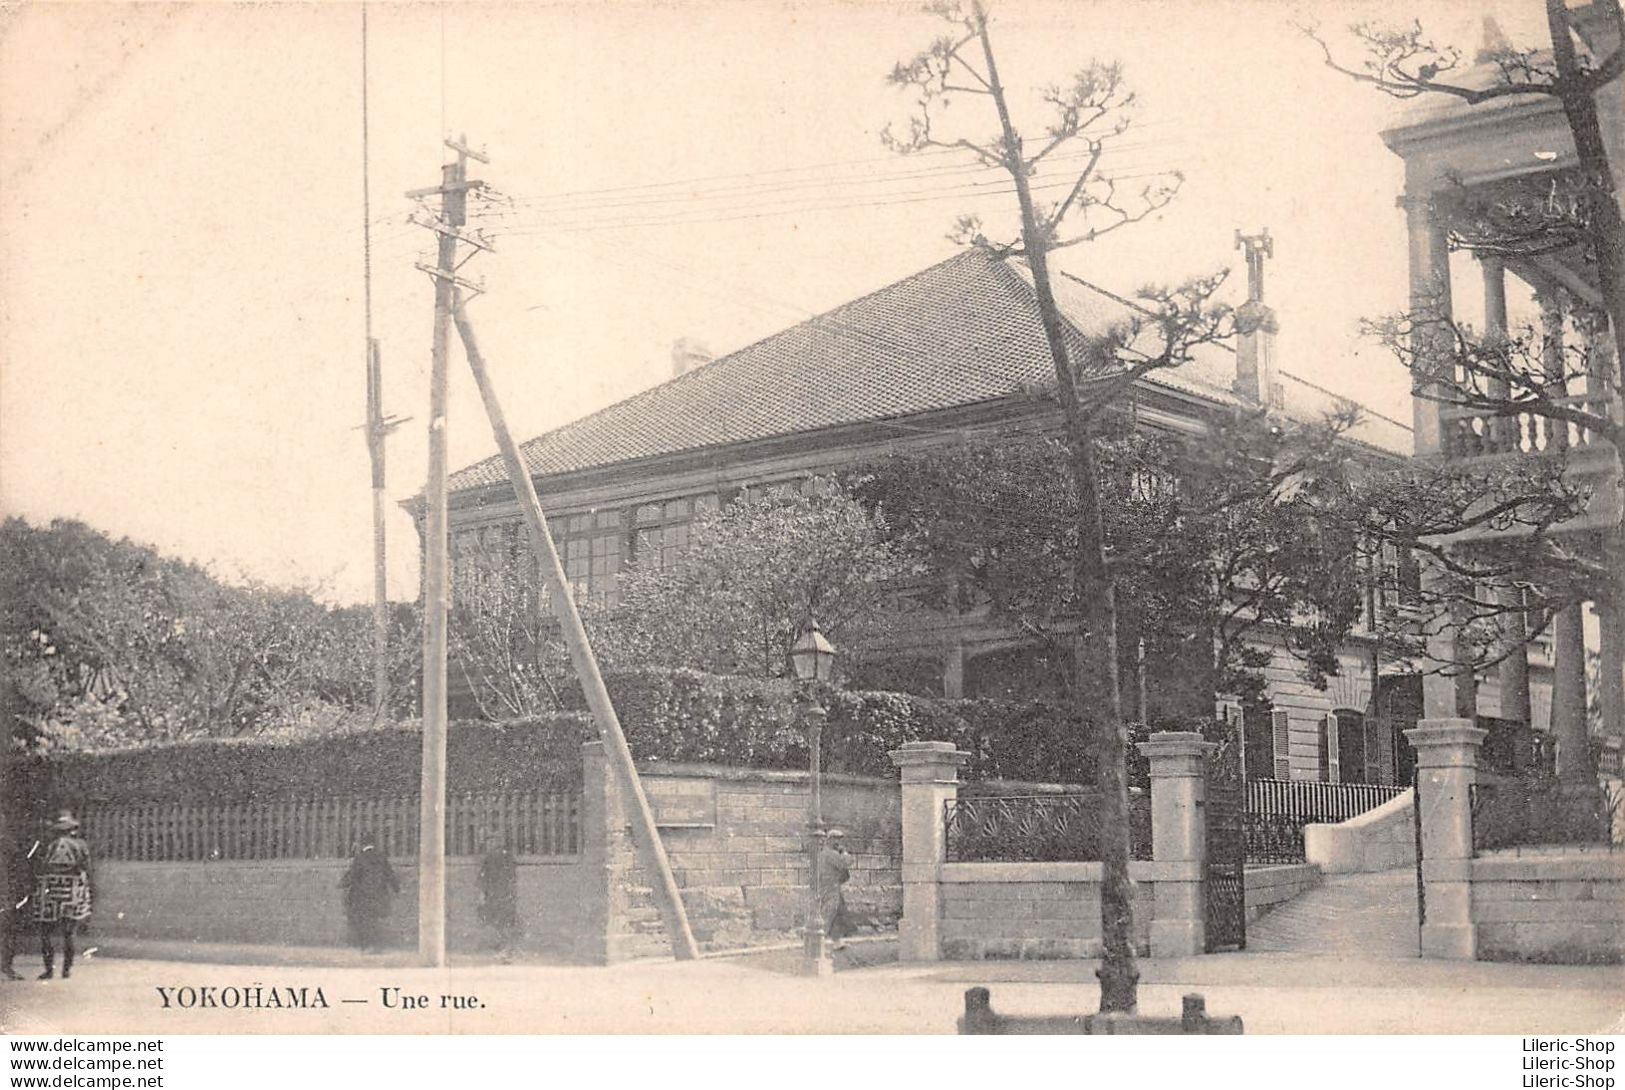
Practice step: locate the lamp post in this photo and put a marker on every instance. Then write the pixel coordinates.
(812, 657)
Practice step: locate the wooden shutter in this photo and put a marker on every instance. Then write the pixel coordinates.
(1228, 712)
(1281, 727)
(1329, 762)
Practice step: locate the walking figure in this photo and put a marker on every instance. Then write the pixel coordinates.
(369, 887)
(17, 914)
(499, 895)
(61, 891)
(834, 868)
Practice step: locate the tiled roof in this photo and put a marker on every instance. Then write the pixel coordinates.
(962, 331)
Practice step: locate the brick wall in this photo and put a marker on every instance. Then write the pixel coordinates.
(1566, 907)
(1032, 910)
(298, 903)
(743, 870)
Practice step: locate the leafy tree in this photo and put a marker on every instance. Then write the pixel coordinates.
(754, 573)
(108, 643)
(505, 646)
(1087, 113)
(1217, 541)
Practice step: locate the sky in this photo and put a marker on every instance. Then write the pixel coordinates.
(182, 253)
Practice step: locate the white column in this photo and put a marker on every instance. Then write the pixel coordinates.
(1446, 769)
(1178, 841)
(930, 779)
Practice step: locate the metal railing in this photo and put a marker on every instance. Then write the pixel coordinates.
(1277, 811)
(1036, 828)
(531, 823)
(1273, 838)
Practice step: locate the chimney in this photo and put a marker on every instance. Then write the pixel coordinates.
(1256, 328)
(688, 355)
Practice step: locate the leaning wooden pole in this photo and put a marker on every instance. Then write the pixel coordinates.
(575, 635)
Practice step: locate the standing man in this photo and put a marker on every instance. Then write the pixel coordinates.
(369, 887)
(499, 894)
(834, 868)
(62, 892)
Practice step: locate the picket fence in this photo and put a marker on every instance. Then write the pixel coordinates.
(542, 823)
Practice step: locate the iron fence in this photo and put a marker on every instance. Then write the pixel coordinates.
(531, 823)
(1277, 811)
(1273, 838)
(1037, 828)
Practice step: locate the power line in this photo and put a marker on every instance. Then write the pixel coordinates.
(688, 192)
(960, 192)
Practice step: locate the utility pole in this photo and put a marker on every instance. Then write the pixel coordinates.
(378, 427)
(453, 192)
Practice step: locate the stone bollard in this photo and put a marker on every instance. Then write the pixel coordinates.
(1446, 769)
(930, 779)
(1178, 841)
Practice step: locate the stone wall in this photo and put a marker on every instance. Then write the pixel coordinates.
(1273, 885)
(1379, 839)
(298, 903)
(736, 840)
(1562, 906)
(1031, 910)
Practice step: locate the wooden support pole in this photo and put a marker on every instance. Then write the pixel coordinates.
(376, 431)
(581, 655)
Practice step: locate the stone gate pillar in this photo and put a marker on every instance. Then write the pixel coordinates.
(1178, 841)
(1446, 769)
(930, 779)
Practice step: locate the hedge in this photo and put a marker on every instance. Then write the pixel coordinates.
(368, 764)
(668, 715)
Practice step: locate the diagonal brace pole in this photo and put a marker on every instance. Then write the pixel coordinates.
(575, 634)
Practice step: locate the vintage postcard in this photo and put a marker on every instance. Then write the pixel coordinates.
(813, 517)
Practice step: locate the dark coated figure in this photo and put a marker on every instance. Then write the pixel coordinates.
(17, 913)
(369, 887)
(499, 895)
(61, 891)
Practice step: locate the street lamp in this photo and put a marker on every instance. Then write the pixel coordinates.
(812, 657)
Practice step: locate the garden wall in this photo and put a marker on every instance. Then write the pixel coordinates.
(1033, 910)
(736, 839)
(298, 903)
(1550, 905)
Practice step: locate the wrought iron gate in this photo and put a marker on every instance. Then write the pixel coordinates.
(1226, 871)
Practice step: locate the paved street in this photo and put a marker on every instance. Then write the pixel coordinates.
(1371, 915)
(1274, 993)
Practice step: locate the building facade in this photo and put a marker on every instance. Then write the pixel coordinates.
(955, 350)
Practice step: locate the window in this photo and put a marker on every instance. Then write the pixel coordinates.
(1401, 580)
(1351, 746)
(663, 529)
(590, 547)
(1258, 749)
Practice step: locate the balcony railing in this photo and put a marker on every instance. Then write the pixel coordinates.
(1476, 433)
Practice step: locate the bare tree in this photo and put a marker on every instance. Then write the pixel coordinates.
(1087, 114)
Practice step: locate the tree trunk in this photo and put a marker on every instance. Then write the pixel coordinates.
(1097, 653)
(1602, 212)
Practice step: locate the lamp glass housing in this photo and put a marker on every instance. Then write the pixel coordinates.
(812, 656)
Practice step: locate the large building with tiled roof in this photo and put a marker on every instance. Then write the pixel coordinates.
(954, 349)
